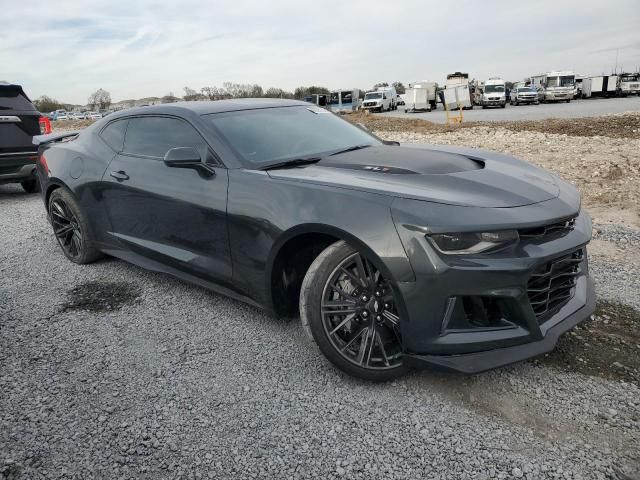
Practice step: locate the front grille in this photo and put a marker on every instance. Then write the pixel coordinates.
(546, 233)
(552, 284)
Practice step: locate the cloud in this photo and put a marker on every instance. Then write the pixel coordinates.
(143, 48)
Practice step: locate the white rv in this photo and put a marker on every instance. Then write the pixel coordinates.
(558, 85)
(494, 93)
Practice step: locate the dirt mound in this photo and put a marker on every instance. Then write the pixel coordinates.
(605, 346)
(626, 125)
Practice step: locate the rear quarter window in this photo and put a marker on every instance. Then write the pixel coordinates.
(113, 134)
(12, 98)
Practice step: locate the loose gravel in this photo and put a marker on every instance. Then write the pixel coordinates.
(110, 371)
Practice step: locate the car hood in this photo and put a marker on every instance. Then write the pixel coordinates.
(441, 174)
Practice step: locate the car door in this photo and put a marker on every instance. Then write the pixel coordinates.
(176, 216)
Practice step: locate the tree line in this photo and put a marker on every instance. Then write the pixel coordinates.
(101, 99)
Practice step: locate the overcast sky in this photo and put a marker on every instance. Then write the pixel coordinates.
(134, 48)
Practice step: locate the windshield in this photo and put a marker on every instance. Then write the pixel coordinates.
(561, 81)
(371, 96)
(272, 135)
(493, 88)
(526, 89)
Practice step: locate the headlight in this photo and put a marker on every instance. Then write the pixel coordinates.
(470, 243)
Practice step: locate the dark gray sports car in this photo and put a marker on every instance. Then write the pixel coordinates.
(394, 256)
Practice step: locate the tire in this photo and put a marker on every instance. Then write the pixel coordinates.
(503, 105)
(71, 228)
(364, 340)
(484, 107)
(31, 186)
(406, 110)
(568, 101)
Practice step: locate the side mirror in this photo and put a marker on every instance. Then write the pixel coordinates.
(187, 157)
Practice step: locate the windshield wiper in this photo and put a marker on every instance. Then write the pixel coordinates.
(350, 149)
(293, 163)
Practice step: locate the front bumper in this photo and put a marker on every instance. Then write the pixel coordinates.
(527, 99)
(499, 357)
(493, 103)
(558, 95)
(441, 309)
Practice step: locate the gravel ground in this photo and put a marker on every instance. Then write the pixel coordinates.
(109, 371)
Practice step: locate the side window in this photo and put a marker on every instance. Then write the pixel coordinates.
(154, 136)
(113, 134)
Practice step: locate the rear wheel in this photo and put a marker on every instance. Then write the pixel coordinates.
(350, 310)
(71, 228)
(31, 186)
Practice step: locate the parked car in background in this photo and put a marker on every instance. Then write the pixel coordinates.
(78, 116)
(60, 115)
(399, 100)
(19, 122)
(394, 256)
(524, 95)
(94, 115)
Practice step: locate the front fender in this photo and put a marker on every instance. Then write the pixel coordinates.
(265, 212)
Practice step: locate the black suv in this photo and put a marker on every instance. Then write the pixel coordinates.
(19, 122)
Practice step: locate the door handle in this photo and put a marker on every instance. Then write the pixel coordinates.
(119, 175)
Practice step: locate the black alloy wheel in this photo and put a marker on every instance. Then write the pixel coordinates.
(66, 228)
(71, 228)
(352, 312)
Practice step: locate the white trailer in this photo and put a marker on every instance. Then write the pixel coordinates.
(420, 96)
(457, 96)
(600, 86)
(344, 100)
(457, 92)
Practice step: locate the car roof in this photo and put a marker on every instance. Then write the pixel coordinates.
(208, 107)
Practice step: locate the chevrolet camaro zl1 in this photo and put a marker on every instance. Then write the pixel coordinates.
(394, 256)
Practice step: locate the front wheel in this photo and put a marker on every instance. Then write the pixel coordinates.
(71, 228)
(350, 310)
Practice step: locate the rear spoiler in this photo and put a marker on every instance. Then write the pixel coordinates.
(39, 140)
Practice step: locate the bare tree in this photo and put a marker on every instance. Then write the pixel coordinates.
(47, 104)
(399, 87)
(99, 100)
(190, 94)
